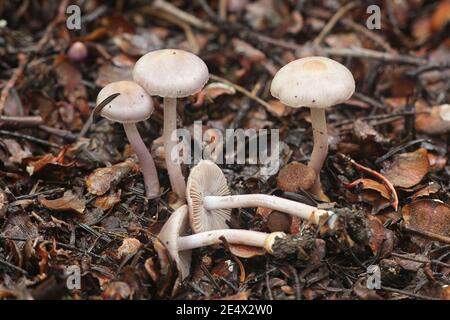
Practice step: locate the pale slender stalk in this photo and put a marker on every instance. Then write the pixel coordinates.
(320, 149)
(294, 208)
(146, 163)
(176, 177)
(233, 236)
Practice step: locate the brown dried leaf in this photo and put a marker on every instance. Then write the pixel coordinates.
(247, 252)
(408, 169)
(441, 16)
(129, 247)
(107, 202)
(436, 122)
(428, 215)
(101, 180)
(117, 290)
(431, 188)
(39, 163)
(277, 108)
(381, 239)
(3, 203)
(68, 202)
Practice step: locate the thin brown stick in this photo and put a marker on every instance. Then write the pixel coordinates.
(241, 90)
(427, 234)
(333, 21)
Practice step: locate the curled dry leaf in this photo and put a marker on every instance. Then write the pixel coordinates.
(248, 51)
(277, 108)
(107, 202)
(431, 188)
(68, 202)
(39, 163)
(212, 91)
(408, 169)
(437, 162)
(374, 193)
(101, 180)
(246, 252)
(428, 215)
(129, 247)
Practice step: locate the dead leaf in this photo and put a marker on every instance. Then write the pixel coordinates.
(248, 51)
(427, 215)
(436, 122)
(437, 162)
(277, 108)
(381, 239)
(107, 202)
(431, 188)
(19, 225)
(279, 221)
(246, 252)
(408, 169)
(101, 180)
(68, 202)
(129, 247)
(212, 91)
(441, 16)
(3, 203)
(17, 151)
(117, 290)
(38, 163)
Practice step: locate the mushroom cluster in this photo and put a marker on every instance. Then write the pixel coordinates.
(314, 82)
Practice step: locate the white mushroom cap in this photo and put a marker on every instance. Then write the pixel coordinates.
(175, 226)
(206, 179)
(314, 82)
(132, 105)
(171, 73)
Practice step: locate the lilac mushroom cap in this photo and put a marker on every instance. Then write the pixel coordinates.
(171, 73)
(131, 106)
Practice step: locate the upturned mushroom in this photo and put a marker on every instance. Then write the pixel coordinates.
(317, 83)
(210, 202)
(171, 74)
(179, 247)
(131, 106)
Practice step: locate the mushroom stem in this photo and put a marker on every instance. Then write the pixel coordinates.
(320, 149)
(177, 181)
(233, 236)
(294, 208)
(146, 163)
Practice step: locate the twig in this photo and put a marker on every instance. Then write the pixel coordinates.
(23, 59)
(241, 90)
(407, 293)
(397, 149)
(334, 19)
(427, 234)
(12, 266)
(28, 121)
(436, 262)
(180, 14)
(29, 138)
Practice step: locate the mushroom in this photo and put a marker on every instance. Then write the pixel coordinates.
(171, 74)
(296, 176)
(317, 83)
(179, 247)
(210, 202)
(132, 105)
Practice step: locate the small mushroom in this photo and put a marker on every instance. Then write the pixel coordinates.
(317, 83)
(179, 246)
(208, 196)
(171, 74)
(131, 106)
(296, 176)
